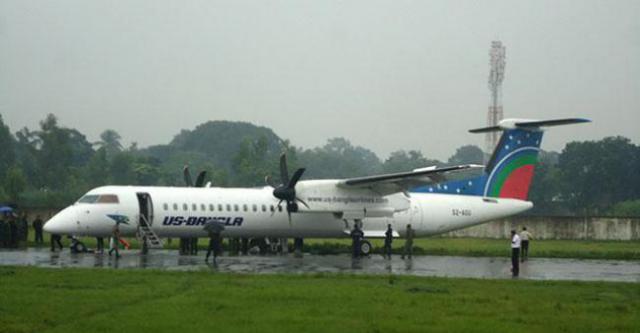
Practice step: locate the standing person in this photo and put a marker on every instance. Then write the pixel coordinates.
(214, 246)
(194, 246)
(115, 239)
(23, 230)
(55, 240)
(13, 226)
(356, 237)
(408, 244)
(184, 246)
(515, 252)
(388, 239)
(37, 227)
(5, 231)
(525, 236)
(100, 245)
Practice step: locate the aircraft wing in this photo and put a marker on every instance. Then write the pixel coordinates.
(403, 181)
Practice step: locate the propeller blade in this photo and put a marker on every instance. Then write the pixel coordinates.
(268, 181)
(187, 176)
(296, 176)
(200, 179)
(302, 202)
(284, 172)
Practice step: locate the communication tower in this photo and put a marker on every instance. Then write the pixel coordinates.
(496, 76)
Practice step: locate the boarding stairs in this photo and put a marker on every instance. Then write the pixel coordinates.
(147, 236)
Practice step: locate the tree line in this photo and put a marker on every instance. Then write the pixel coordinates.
(53, 166)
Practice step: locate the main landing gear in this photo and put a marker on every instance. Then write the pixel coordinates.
(365, 248)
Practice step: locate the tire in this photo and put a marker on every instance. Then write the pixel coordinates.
(81, 247)
(365, 248)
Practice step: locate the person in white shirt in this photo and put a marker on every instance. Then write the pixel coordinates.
(525, 236)
(515, 253)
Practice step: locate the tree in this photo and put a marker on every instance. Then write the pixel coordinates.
(97, 169)
(253, 162)
(7, 152)
(339, 159)
(110, 141)
(401, 160)
(626, 208)
(468, 154)
(597, 174)
(15, 183)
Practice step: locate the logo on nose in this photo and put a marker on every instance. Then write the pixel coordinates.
(119, 218)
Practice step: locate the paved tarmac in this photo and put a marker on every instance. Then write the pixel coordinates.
(442, 266)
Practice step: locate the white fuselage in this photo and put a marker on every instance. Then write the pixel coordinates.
(182, 212)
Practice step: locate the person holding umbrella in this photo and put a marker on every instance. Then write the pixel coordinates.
(213, 229)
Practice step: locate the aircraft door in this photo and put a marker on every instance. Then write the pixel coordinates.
(146, 209)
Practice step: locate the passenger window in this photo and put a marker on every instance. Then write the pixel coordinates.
(203, 207)
(264, 208)
(244, 207)
(220, 209)
(235, 208)
(194, 207)
(175, 206)
(211, 207)
(185, 207)
(228, 207)
(165, 206)
(280, 209)
(273, 209)
(255, 208)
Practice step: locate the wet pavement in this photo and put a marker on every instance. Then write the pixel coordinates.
(442, 266)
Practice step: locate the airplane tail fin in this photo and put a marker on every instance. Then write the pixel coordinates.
(510, 169)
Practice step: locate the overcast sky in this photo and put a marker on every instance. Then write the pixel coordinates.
(386, 75)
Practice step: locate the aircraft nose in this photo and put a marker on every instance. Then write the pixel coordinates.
(61, 223)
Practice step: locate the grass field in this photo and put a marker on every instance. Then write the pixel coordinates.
(478, 247)
(90, 300)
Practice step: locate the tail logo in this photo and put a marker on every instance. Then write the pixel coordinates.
(512, 175)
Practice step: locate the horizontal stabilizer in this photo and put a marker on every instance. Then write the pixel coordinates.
(555, 122)
(506, 124)
(486, 129)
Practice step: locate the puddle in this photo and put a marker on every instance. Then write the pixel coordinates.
(442, 266)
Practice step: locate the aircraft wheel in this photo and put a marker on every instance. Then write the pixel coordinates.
(365, 248)
(81, 248)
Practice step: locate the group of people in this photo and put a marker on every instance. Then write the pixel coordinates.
(357, 236)
(14, 230)
(189, 246)
(519, 249)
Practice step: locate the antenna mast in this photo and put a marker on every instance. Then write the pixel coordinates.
(496, 76)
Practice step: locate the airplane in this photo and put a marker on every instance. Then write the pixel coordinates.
(433, 200)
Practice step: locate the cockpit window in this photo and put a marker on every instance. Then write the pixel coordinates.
(89, 198)
(99, 198)
(108, 198)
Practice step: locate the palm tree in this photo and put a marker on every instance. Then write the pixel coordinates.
(110, 141)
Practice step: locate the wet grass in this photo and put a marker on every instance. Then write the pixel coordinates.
(90, 300)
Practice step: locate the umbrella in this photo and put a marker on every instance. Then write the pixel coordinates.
(5, 209)
(213, 226)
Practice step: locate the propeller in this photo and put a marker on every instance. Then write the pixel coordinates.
(287, 190)
(201, 178)
(187, 176)
(189, 181)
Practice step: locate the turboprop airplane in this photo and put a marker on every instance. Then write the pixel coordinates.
(433, 200)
